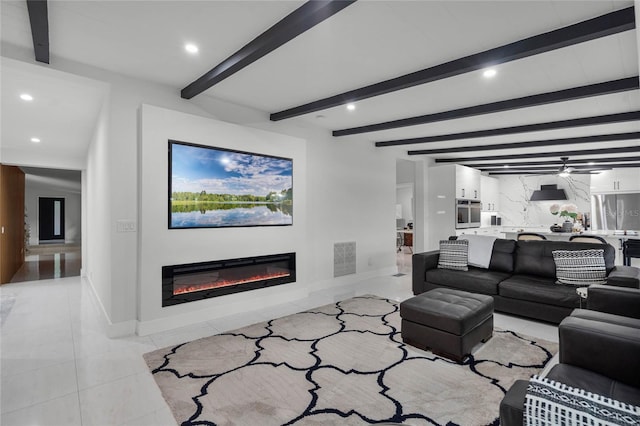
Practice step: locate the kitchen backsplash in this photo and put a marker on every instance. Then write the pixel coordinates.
(517, 210)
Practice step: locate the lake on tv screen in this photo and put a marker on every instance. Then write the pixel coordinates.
(223, 215)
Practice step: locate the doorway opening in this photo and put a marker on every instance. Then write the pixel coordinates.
(53, 222)
(405, 214)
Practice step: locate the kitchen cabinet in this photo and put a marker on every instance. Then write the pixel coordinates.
(490, 190)
(467, 182)
(616, 180)
(446, 183)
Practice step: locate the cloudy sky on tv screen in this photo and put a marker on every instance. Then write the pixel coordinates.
(197, 169)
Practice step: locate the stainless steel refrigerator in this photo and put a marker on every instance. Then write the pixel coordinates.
(615, 212)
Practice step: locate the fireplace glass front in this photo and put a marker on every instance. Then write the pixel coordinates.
(196, 281)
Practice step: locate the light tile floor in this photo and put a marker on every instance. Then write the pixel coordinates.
(58, 367)
(43, 264)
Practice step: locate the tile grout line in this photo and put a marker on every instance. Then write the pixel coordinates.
(75, 357)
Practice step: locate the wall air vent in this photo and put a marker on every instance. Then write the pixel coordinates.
(344, 259)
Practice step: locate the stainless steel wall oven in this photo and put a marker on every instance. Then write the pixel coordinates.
(468, 213)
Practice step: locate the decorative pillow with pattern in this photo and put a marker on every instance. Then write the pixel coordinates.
(551, 403)
(454, 255)
(580, 267)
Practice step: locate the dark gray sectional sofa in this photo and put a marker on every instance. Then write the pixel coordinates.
(521, 277)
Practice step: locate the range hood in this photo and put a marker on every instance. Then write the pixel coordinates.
(548, 192)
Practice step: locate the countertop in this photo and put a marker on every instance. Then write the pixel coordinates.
(606, 234)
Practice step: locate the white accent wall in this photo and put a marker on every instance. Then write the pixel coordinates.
(516, 190)
(160, 246)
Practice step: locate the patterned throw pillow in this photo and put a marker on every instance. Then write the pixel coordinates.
(551, 403)
(454, 255)
(580, 267)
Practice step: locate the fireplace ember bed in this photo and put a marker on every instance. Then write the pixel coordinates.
(203, 280)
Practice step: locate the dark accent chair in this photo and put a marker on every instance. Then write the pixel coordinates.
(599, 352)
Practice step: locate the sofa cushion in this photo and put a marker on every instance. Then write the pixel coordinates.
(536, 257)
(502, 255)
(453, 255)
(476, 280)
(540, 290)
(580, 267)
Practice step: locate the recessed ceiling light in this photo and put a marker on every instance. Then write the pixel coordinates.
(506, 166)
(351, 106)
(35, 140)
(26, 97)
(489, 73)
(591, 163)
(191, 48)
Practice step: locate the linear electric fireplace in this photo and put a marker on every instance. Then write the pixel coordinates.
(196, 281)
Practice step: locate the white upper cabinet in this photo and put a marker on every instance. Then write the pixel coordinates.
(616, 180)
(490, 190)
(467, 182)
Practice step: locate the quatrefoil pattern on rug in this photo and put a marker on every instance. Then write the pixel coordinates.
(343, 363)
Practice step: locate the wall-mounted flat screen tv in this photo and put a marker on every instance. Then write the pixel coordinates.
(218, 188)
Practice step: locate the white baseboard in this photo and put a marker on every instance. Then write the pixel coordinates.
(242, 302)
(238, 303)
(348, 280)
(119, 329)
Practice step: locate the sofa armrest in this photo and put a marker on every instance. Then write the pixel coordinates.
(512, 405)
(614, 300)
(420, 264)
(608, 349)
(624, 276)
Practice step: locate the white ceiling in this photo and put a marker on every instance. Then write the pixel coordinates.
(62, 115)
(367, 42)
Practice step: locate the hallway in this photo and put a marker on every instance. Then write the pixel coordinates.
(45, 262)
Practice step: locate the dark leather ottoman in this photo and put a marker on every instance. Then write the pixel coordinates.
(449, 322)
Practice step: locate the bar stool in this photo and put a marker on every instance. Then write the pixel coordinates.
(630, 248)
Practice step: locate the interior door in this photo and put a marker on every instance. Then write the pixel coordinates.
(51, 219)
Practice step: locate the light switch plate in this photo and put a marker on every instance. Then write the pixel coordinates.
(125, 226)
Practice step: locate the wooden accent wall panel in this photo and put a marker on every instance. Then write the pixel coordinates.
(11, 221)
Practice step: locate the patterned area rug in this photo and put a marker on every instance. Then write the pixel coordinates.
(344, 364)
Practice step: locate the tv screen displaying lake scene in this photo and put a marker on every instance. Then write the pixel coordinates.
(218, 188)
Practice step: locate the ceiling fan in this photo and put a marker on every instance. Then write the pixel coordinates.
(565, 170)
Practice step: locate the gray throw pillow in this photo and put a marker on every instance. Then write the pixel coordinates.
(580, 267)
(454, 255)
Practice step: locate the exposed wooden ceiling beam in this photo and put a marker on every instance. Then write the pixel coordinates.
(598, 89)
(601, 26)
(531, 144)
(553, 125)
(39, 20)
(547, 172)
(573, 152)
(300, 20)
(556, 162)
(569, 164)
